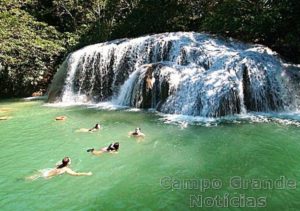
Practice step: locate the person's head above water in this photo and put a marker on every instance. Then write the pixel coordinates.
(97, 126)
(65, 162)
(113, 146)
(116, 146)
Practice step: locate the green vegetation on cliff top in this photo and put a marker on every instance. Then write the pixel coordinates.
(35, 35)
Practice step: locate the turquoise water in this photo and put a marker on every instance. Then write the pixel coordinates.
(148, 174)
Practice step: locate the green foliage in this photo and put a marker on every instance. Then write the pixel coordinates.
(36, 34)
(149, 16)
(261, 21)
(28, 51)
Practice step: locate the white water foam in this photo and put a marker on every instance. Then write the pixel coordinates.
(190, 77)
(282, 119)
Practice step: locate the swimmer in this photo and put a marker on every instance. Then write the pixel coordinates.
(61, 168)
(58, 118)
(96, 128)
(137, 133)
(5, 110)
(112, 148)
(5, 117)
(85, 130)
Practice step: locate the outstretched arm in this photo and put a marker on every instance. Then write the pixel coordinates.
(73, 173)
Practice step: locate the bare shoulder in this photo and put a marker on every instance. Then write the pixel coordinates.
(68, 170)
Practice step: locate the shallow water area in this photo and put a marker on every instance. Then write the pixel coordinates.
(148, 174)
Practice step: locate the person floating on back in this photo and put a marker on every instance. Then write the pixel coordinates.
(137, 133)
(112, 148)
(61, 168)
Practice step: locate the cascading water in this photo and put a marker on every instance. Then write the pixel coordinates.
(178, 73)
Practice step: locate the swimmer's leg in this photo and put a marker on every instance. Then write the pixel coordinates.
(34, 177)
(43, 173)
(82, 130)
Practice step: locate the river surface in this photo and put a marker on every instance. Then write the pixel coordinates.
(175, 166)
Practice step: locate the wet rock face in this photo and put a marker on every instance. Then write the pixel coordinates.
(163, 94)
(56, 89)
(155, 88)
(179, 73)
(267, 99)
(147, 88)
(229, 104)
(95, 84)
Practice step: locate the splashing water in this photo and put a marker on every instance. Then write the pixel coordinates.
(181, 73)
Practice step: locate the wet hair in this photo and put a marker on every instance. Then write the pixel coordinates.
(136, 131)
(116, 146)
(97, 126)
(64, 162)
(113, 147)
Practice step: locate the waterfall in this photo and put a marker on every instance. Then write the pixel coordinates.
(178, 73)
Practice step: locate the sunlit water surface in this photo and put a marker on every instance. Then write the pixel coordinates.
(132, 179)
